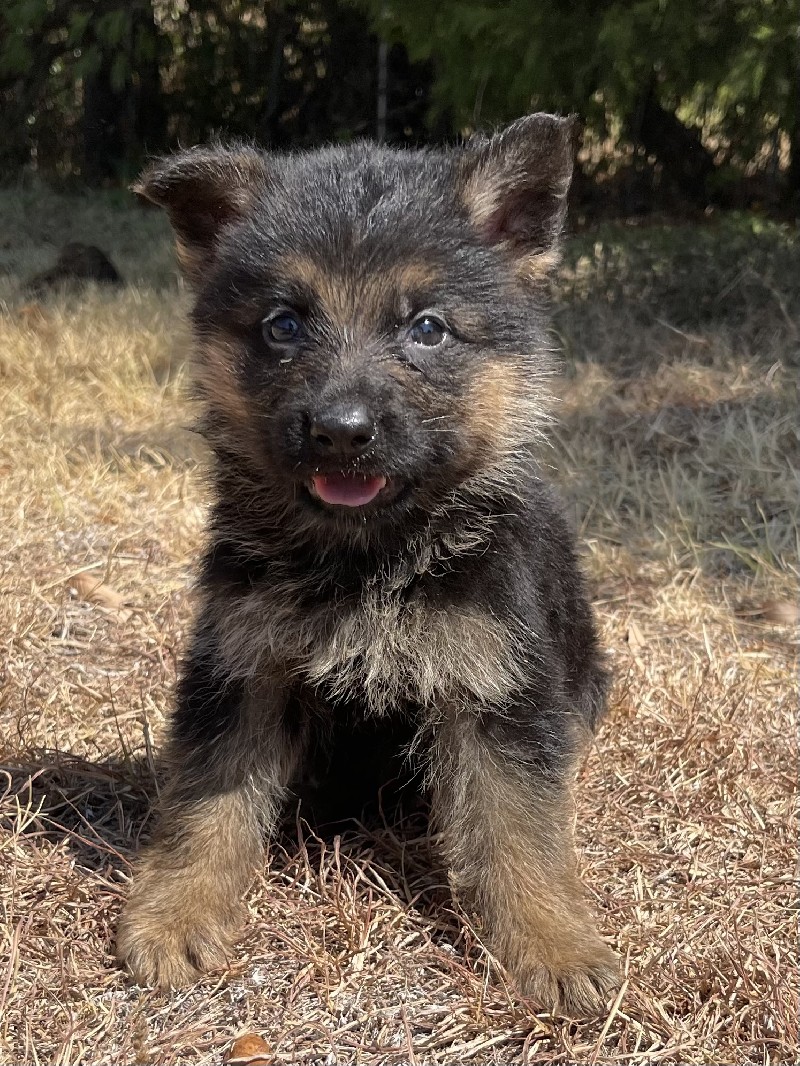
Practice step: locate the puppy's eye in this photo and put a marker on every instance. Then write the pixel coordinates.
(428, 330)
(283, 327)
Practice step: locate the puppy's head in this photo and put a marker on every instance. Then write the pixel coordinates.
(369, 338)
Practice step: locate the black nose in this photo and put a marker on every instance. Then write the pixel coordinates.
(343, 429)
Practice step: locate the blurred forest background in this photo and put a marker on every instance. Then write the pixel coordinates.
(687, 105)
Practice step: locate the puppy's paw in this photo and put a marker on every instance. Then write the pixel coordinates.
(579, 986)
(172, 946)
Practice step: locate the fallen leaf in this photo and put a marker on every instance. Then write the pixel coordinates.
(94, 590)
(778, 612)
(249, 1050)
(32, 315)
(781, 612)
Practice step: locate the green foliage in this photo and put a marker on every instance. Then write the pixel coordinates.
(90, 87)
(729, 66)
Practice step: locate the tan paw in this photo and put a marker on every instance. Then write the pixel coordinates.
(172, 947)
(580, 986)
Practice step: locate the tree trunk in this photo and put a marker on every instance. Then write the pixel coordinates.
(150, 123)
(793, 175)
(103, 142)
(278, 27)
(678, 148)
(383, 66)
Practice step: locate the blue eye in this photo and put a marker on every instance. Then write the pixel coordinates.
(284, 327)
(428, 330)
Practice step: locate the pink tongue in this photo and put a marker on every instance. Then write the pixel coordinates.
(349, 490)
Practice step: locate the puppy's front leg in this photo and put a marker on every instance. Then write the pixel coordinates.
(507, 836)
(230, 758)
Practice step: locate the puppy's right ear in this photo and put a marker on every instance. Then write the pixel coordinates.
(204, 190)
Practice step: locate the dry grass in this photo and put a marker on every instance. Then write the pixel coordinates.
(679, 454)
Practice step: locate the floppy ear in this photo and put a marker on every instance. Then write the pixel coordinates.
(515, 185)
(204, 190)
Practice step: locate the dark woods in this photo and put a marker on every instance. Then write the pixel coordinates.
(91, 88)
(683, 108)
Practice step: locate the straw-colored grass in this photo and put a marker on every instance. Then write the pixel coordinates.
(678, 452)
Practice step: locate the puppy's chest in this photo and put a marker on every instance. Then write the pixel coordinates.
(379, 648)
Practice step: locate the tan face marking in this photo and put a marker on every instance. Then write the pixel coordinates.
(217, 381)
(358, 302)
(497, 389)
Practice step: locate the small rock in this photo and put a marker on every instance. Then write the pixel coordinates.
(76, 264)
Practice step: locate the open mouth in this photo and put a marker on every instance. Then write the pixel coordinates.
(347, 490)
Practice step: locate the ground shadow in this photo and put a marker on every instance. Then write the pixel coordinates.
(104, 810)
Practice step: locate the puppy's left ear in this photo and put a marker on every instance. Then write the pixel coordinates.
(514, 186)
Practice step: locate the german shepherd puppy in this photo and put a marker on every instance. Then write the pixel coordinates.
(370, 356)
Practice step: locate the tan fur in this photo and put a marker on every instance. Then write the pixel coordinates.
(216, 381)
(492, 408)
(192, 259)
(507, 411)
(346, 301)
(482, 201)
(482, 194)
(185, 909)
(379, 647)
(537, 268)
(511, 854)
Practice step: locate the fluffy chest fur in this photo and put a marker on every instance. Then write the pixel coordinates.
(380, 648)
